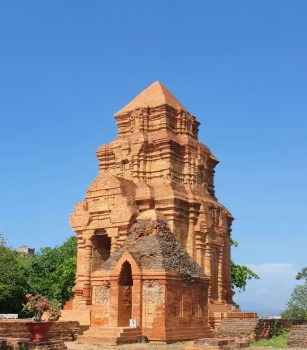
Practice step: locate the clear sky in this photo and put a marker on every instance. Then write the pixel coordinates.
(240, 66)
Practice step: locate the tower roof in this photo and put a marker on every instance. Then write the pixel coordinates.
(155, 95)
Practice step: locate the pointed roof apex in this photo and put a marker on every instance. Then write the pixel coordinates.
(155, 95)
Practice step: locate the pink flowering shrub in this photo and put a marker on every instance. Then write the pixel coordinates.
(54, 311)
(37, 304)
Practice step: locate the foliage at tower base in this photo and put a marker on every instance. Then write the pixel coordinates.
(240, 274)
(51, 272)
(297, 304)
(13, 281)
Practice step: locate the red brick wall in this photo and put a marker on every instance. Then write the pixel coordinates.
(253, 328)
(65, 330)
(298, 336)
(181, 311)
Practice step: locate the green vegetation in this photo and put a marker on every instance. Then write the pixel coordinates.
(240, 274)
(302, 275)
(278, 336)
(13, 282)
(297, 304)
(277, 341)
(51, 272)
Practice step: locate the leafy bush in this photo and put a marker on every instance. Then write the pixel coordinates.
(13, 282)
(297, 304)
(277, 341)
(51, 272)
(240, 274)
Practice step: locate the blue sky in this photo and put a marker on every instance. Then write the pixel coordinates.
(240, 66)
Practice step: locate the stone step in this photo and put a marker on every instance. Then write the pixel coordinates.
(130, 330)
(130, 335)
(220, 343)
(193, 334)
(103, 333)
(16, 334)
(111, 336)
(97, 340)
(182, 336)
(96, 334)
(123, 340)
(108, 340)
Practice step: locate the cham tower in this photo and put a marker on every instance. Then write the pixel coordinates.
(153, 240)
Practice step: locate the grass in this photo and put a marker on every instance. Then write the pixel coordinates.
(277, 341)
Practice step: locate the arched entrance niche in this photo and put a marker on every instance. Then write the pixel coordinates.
(101, 248)
(125, 284)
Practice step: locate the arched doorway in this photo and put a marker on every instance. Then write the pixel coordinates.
(125, 284)
(101, 249)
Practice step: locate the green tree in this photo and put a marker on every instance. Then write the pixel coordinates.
(53, 270)
(302, 275)
(297, 304)
(13, 282)
(240, 274)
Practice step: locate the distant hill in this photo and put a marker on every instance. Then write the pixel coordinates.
(261, 309)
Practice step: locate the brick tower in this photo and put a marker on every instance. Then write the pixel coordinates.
(155, 179)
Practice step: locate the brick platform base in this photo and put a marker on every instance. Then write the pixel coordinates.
(110, 336)
(64, 330)
(238, 328)
(254, 328)
(298, 336)
(26, 344)
(218, 344)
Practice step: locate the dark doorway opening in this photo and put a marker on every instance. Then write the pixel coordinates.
(101, 250)
(125, 284)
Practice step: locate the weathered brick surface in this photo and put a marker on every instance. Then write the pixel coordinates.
(254, 329)
(217, 344)
(180, 279)
(266, 328)
(238, 328)
(25, 344)
(298, 336)
(64, 330)
(167, 305)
